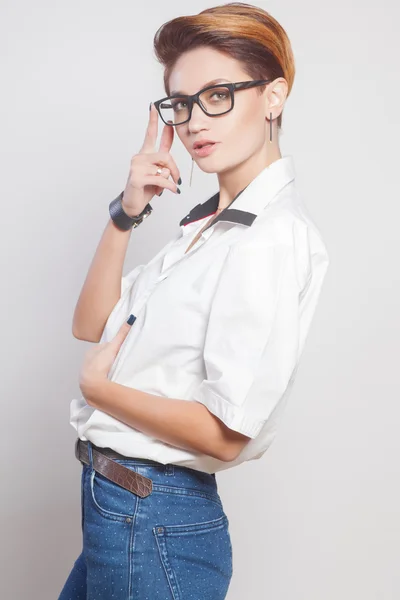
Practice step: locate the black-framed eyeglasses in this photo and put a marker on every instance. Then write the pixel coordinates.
(214, 100)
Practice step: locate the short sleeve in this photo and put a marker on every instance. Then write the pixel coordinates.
(252, 336)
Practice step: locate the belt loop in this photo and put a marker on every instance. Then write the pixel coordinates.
(169, 469)
(89, 447)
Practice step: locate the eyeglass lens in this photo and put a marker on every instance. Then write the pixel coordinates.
(215, 101)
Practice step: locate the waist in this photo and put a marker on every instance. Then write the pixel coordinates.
(164, 477)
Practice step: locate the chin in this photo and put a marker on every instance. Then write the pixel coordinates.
(208, 165)
(209, 169)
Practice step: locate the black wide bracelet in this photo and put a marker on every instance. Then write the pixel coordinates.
(121, 219)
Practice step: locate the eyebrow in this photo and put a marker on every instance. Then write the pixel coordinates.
(220, 80)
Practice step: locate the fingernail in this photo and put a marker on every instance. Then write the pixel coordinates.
(179, 181)
(178, 190)
(160, 193)
(150, 106)
(131, 319)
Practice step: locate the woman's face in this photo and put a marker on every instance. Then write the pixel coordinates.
(240, 133)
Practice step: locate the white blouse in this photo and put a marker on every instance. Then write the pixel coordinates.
(224, 324)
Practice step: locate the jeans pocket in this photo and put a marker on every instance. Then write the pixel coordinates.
(197, 558)
(110, 499)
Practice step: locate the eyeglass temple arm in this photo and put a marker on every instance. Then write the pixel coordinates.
(250, 84)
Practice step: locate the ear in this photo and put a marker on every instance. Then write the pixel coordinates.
(275, 97)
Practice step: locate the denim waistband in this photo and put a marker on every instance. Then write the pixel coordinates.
(168, 475)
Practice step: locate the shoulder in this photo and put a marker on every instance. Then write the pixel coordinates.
(283, 228)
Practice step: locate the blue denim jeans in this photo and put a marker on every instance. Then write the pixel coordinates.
(172, 545)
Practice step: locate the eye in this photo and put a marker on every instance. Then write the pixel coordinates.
(177, 105)
(223, 95)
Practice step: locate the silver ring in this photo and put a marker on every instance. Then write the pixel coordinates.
(159, 171)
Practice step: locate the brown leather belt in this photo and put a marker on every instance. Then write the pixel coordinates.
(126, 478)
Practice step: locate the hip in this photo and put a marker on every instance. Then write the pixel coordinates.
(176, 536)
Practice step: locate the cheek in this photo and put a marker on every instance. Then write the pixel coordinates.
(181, 132)
(244, 129)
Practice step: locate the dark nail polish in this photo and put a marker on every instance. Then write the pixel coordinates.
(178, 190)
(160, 193)
(131, 319)
(179, 181)
(150, 106)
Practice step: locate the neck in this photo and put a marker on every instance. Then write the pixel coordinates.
(236, 178)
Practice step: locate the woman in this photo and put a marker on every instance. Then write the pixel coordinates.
(199, 348)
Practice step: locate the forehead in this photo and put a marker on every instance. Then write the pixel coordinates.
(195, 68)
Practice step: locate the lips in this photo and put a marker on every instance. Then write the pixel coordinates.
(197, 145)
(205, 150)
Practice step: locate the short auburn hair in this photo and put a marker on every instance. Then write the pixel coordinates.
(243, 31)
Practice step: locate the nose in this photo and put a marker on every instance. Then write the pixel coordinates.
(198, 117)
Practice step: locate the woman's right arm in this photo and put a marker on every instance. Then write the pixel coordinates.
(102, 288)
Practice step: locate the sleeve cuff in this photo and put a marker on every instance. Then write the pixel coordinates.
(234, 417)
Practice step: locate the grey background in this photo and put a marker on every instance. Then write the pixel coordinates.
(318, 515)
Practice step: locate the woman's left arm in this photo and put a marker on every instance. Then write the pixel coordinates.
(185, 424)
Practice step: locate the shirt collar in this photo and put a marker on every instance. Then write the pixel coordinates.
(250, 201)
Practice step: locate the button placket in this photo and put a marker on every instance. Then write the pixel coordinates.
(135, 311)
(168, 265)
(163, 275)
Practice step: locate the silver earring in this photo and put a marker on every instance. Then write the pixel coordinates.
(191, 173)
(270, 128)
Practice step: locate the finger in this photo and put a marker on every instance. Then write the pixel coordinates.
(164, 174)
(163, 183)
(166, 159)
(124, 330)
(167, 137)
(131, 320)
(150, 139)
